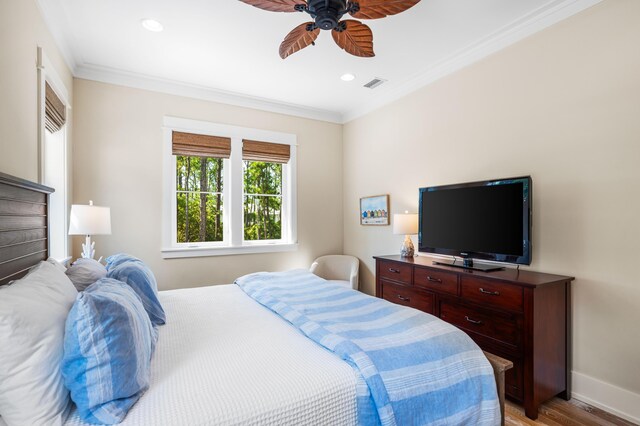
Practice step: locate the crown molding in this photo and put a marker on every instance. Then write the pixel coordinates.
(146, 82)
(541, 18)
(55, 20)
(552, 12)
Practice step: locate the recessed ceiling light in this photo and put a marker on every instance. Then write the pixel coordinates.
(152, 25)
(347, 77)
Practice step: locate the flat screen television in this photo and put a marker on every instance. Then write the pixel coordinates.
(488, 220)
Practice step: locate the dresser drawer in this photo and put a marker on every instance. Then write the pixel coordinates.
(395, 271)
(407, 297)
(491, 293)
(492, 326)
(442, 282)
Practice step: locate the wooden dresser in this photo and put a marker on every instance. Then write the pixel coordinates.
(522, 316)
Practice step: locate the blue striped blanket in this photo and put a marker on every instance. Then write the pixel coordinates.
(412, 368)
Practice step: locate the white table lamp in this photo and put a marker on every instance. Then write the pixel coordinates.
(89, 220)
(406, 224)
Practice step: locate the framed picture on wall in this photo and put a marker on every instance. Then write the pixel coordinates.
(374, 210)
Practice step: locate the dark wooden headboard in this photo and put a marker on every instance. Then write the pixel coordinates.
(24, 226)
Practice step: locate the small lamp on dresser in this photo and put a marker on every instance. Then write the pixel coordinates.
(89, 220)
(406, 224)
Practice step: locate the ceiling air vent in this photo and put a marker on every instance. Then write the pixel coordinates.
(374, 83)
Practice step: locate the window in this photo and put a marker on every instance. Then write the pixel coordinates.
(263, 189)
(199, 164)
(262, 201)
(199, 198)
(53, 154)
(55, 174)
(227, 190)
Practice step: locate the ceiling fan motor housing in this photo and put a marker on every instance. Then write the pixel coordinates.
(327, 13)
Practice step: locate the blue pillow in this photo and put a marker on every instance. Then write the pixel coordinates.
(108, 345)
(117, 259)
(141, 279)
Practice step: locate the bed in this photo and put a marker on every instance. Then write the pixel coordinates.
(239, 364)
(243, 342)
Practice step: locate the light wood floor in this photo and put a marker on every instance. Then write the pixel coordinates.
(558, 412)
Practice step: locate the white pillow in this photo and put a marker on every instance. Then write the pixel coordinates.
(57, 264)
(84, 272)
(33, 312)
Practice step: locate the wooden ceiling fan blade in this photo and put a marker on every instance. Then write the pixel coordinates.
(376, 9)
(276, 5)
(299, 38)
(354, 37)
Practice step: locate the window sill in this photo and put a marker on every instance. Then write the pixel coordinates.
(183, 252)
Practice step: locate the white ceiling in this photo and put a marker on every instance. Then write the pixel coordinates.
(227, 50)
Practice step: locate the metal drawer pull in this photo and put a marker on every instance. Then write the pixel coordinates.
(472, 321)
(434, 280)
(492, 293)
(395, 271)
(404, 299)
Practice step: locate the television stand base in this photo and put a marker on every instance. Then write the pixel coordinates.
(484, 267)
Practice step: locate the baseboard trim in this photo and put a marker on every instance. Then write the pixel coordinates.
(608, 397)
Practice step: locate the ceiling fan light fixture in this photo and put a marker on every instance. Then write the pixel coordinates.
(350, 35)
(152, 25)
(347, 77)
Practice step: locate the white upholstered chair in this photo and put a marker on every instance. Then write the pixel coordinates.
(340, 269)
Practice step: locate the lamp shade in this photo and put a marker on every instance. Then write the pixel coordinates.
(89, 220)
(405, 224)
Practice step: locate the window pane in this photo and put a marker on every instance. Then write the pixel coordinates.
(55, 176)
(262, 217)
(199, 214)
(262, 178)
(262, 213)
(199, 217)
(199, 174)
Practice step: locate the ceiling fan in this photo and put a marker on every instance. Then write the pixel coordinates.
(353, 36)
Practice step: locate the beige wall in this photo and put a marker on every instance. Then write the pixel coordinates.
(562, 106)
(22, 30)
(118, 163)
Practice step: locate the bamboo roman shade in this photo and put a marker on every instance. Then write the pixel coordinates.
(200, 145)
(265, 151)
(55, 114)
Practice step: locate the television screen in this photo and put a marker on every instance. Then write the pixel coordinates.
(485, 220)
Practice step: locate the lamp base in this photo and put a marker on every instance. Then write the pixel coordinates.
(88, 248)
(407, 247)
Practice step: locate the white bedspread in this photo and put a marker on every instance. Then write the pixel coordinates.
(223, 359)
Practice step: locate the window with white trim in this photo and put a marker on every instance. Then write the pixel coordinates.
(227, 189)
(52, 144)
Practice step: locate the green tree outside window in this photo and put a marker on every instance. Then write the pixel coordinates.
(199, 198)
(262, 201)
